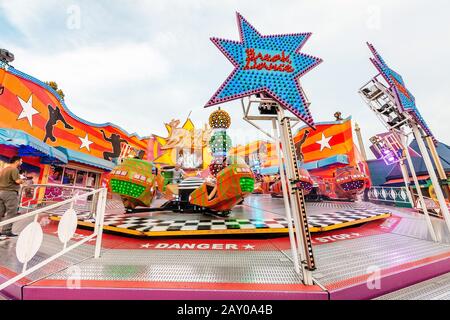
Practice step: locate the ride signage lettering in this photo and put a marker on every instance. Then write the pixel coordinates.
(267, 61)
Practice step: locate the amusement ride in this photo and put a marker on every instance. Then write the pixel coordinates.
(304, 198)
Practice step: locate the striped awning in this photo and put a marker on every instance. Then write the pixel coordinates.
(84, 158)
(28, 145)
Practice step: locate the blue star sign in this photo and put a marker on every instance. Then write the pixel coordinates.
(269, 64)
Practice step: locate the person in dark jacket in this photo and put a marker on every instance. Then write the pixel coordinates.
(10, 182)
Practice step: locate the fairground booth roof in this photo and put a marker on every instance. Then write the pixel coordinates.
(383, 174)
(27, 145)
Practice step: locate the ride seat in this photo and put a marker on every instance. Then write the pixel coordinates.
(209, 188)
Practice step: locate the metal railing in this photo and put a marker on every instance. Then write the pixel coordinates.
(31, 237)
(46, 194)
(389, 194)
(431, 204)
(398, 195)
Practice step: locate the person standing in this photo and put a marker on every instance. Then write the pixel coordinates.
(90, 181)
(178, 174)
(10, 182)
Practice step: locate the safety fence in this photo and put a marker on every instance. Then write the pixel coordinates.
(398, 196)
(41, 195)
(31, 237)
(391, 195)
(432, 205)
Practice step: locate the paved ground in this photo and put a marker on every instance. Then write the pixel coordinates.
(437, 288)
(344, 257)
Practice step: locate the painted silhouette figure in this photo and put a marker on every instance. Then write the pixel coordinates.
(115, 141)
(54, 115)
(298, 146)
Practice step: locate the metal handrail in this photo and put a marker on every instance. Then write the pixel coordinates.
(37, 186)
(388, 191)
(36, 189)
(98, 232)
(436, 209)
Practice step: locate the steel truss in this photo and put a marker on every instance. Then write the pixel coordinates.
(294, 202)
(382, 102)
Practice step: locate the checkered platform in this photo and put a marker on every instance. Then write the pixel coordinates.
(317, 223)
(190, 183)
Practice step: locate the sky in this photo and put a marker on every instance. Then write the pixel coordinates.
(140, 63)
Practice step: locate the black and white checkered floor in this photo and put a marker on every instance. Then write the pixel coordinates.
(150, 226)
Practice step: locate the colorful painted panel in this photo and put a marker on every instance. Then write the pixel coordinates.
(32, 106)
(323, 150)
(329, 139)
(184, 145)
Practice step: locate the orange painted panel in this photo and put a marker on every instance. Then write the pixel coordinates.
(30, 106)
(337, 139)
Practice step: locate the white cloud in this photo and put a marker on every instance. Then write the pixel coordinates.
(22, 14)
(145, 63)
(100, 66)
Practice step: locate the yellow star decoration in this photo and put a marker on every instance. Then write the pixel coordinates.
(168, 156)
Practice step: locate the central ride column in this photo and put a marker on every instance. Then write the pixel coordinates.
(297, 199)
(270, 66)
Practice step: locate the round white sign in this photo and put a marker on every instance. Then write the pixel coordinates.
(29, 242)
(67, 226)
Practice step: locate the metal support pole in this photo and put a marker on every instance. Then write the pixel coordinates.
(417, 185)
(289, 178)
(403, 166)
(287, 206)
(297, 201)
(257, 127)
(299, 235)
(432, 173)
(439, 167)
(100, 216)
(360, 141)
(406, 179)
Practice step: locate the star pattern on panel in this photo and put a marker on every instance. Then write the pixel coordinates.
(270, 64)
(404, 97)
(249, 247)
(85, 142)
(324, 142)
(27, 110)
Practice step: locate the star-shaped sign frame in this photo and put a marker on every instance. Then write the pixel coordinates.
(269, 64)
(404, 98)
